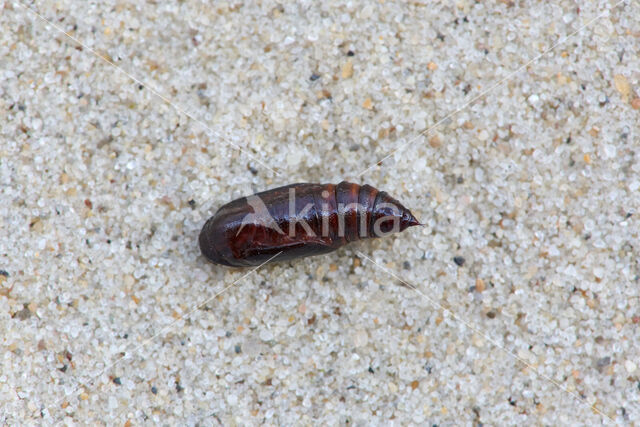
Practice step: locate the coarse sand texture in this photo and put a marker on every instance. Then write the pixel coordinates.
(511, 129)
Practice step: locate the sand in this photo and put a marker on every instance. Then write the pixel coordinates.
(518, 302)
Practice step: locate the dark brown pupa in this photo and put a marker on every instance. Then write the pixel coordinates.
(299, 220)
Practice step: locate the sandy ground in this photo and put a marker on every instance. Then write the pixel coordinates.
(121, 137)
